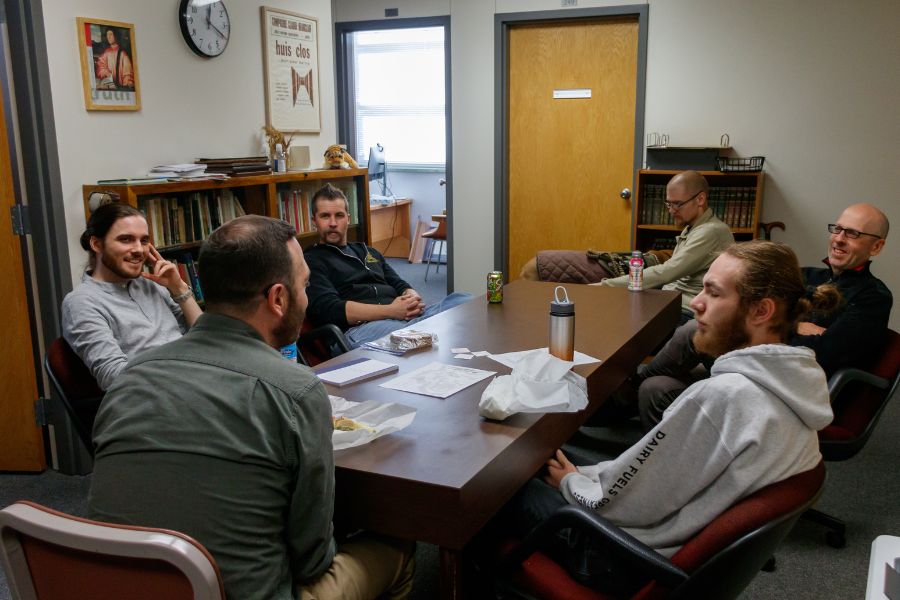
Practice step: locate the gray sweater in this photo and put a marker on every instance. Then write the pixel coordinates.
(106, 324)
(217, 436)
(752, 423)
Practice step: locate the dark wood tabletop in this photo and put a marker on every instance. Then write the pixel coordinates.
(441, 479)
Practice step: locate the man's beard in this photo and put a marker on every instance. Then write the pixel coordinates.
(724, 338)
(288, 330)
(113, 266)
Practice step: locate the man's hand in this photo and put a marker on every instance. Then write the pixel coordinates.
(164, 273)
(557, 468)
(807, 328)
(404, 307)
(411, 293)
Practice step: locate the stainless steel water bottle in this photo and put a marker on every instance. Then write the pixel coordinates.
(562, 325)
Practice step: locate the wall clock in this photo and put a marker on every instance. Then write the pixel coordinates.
(205, 26)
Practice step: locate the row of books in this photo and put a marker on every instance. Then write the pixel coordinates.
(189, 218)
(187, 268)
(734, 205)
(295, 205)
(237, 167)
(664, 243)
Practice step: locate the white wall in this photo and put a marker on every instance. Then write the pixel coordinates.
(191, 107)
(811, 86)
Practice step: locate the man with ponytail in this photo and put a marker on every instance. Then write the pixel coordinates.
(118, 310)
(848, 335)
(752, 423)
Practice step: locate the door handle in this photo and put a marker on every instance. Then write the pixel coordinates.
(625, 194)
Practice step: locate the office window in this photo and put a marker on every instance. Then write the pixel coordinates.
(398, 96)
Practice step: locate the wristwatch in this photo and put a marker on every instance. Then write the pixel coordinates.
(183, 297)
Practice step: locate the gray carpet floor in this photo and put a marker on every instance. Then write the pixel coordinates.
(864, 491)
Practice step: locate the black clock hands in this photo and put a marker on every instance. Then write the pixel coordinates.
(216, 29)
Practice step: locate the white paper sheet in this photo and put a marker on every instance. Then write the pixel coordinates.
(379, 418)
(511, 358)
(437, 379)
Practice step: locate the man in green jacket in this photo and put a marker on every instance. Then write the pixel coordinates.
(217, 436)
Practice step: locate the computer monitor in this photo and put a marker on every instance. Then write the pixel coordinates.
(377, 166)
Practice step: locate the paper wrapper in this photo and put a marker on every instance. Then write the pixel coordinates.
(377, 418)
(539, 383)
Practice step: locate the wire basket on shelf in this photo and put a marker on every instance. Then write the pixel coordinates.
(740, 165)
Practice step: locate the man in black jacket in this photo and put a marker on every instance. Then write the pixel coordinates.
(352, 285)
(850, 337)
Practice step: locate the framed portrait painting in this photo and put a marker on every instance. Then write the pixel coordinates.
(291, 70)
(109, 70)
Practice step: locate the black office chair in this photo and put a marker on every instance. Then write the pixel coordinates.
(858, 398)
(718, 562)
(318, 344)
(76, 388)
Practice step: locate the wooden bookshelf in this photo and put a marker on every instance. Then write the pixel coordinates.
(736, 198)
(258, 194)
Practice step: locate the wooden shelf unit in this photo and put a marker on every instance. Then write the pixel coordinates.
(735, 197)
(258, 194)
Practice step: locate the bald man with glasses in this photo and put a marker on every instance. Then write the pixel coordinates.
(850, 337)
(704, 236)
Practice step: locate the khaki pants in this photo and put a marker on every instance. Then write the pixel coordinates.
(366, 567)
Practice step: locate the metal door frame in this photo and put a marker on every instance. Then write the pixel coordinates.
(502, 24)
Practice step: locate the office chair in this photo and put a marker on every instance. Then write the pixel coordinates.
(76, 388)
(438, 234)
(718, 562)
(318, 344)
(54, 556)
(858, 398)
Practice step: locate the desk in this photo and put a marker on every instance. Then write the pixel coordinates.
(441, 479)
(390, 228)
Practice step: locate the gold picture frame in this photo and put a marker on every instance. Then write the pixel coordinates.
(291, 70)
(109, 69)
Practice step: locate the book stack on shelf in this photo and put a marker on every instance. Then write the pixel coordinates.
(293, 207)
(733, 205)
(188, 218)
(187, 268)
(654, 210)
(237, 167)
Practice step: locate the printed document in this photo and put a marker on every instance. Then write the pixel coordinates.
(437, 379)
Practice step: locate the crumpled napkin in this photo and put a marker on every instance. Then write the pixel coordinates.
(377, 419)
(540, 383)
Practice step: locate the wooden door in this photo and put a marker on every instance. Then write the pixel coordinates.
(570, 158)
(21, 443)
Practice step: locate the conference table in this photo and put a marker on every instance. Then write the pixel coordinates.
(445, 476)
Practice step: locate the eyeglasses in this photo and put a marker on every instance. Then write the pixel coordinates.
(850, 233)
(678, 205)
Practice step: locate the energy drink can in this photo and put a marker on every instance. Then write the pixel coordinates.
(495, 287)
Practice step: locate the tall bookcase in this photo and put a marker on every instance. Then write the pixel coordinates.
(181, 214)
(736, 198)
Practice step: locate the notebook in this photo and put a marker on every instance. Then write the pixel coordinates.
(355, 370)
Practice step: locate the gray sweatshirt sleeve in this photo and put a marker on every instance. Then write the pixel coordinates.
(656, 477)
(87, 331)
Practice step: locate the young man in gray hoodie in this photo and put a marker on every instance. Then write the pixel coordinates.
(752, 423)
